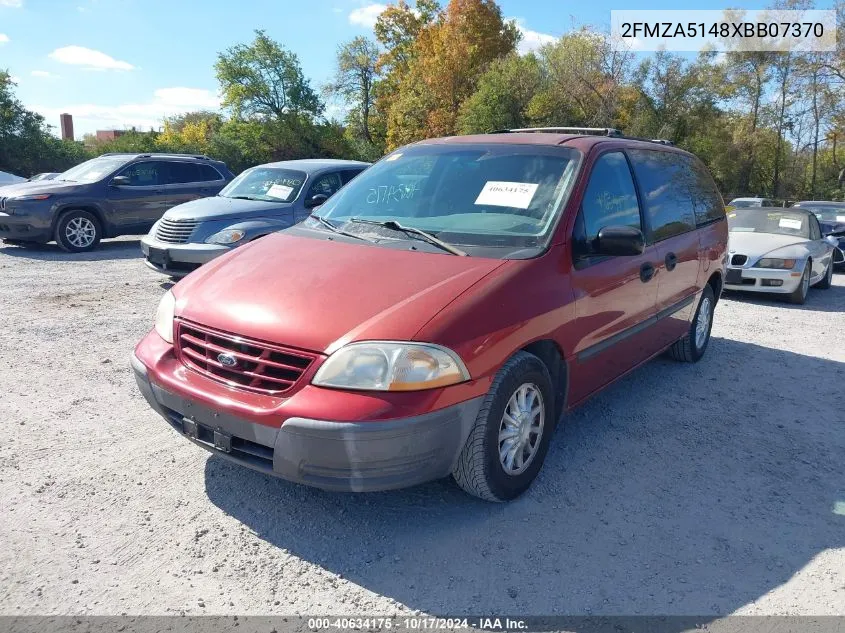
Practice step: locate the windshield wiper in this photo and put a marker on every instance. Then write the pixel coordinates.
(247, 198)
(428, 237)
(335, 229)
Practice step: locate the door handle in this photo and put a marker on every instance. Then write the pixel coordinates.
(671, 261)
(646, 272)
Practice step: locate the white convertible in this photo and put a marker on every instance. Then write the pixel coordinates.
(778, 250)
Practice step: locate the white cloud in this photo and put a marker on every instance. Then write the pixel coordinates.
(531, 40)
(3, 38)
(15, 4)
(366, 16)
(88, 59)
(43, 74)
(145, 115)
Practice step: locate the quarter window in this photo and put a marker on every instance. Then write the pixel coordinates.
(610, 200)
(208, 173)
(669, 188)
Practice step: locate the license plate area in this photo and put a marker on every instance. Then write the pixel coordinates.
(733, 276)
(205, 434)
(158, 256)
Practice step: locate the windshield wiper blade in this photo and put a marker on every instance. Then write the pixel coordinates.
(428, 237)
(335, 229)
(246, 198)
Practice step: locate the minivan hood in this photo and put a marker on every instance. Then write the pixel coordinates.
(751, 244)
(317, 294)
(220, 208)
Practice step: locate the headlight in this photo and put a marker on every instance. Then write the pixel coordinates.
(385, 366)
(35, 196)
(773, 262)
(164, 316)
(226, 236)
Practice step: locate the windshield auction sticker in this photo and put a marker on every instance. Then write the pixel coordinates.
(727, 31)
(497, 193)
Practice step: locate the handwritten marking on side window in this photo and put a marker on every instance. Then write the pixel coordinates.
(497, 193)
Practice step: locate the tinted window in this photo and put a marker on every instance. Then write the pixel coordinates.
(706, 199)
(815, 229)
(610, 200)
(349, 174)
(325, 185)
(208, 173)
(146, 174)
(668, 187)
(181, 173)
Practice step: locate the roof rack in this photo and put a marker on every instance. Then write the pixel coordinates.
(594, 131)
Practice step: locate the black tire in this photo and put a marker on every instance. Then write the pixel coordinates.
(827, 280)
(690, 349)
(480, 471)
(78, 231)
(799, 295)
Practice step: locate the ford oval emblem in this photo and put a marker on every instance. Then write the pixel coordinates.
(227, 360)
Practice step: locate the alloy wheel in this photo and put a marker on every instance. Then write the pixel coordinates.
(521, 429)
(80, 232)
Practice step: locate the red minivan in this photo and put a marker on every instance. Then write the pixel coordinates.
(441, 312)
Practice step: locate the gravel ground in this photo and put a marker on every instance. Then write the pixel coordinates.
(704, 489)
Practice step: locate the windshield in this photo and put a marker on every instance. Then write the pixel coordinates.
(826, 213)
(745, 204)
(762, 221)
(266, 183)
(474, 195)
(95, 169)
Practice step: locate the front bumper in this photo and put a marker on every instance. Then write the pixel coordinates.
(346, 456)
(763, 280)
(178, 260)
(23, 227)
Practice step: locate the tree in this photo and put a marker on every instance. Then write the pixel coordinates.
(265, 80)
(503, 96)
(354, 80)
(447, 58)
(26, 143)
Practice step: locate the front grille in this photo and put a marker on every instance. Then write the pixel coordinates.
(175, 231)
(259, 367)
(739, 260)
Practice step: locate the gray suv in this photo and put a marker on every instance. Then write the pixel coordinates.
(111, 195)
(261, 200)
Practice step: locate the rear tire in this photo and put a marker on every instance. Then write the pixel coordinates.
(827, 280)
(691, 348)
(799, 295)
(510, 438)
(78, 231)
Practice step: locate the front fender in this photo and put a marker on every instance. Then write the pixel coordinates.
(256, 227)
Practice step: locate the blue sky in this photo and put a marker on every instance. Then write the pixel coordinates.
(123, 63)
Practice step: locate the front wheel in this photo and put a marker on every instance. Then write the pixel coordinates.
(691, 348)
(799, 295)
(508, 443)
(827, 280)
(78, 231)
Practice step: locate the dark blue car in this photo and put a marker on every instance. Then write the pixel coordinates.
(111, 195)
(261, 200)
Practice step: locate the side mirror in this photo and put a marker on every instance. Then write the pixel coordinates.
(316, 200)
(619, 240)
(120, 181)
(832, 240)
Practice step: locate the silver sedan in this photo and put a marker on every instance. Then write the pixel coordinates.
(778, 251)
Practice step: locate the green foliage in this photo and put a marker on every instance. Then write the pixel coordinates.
(265, 81)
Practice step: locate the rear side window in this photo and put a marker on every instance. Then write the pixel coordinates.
(182, 173)
(208, 173)
(609, 200)
(668, 187)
